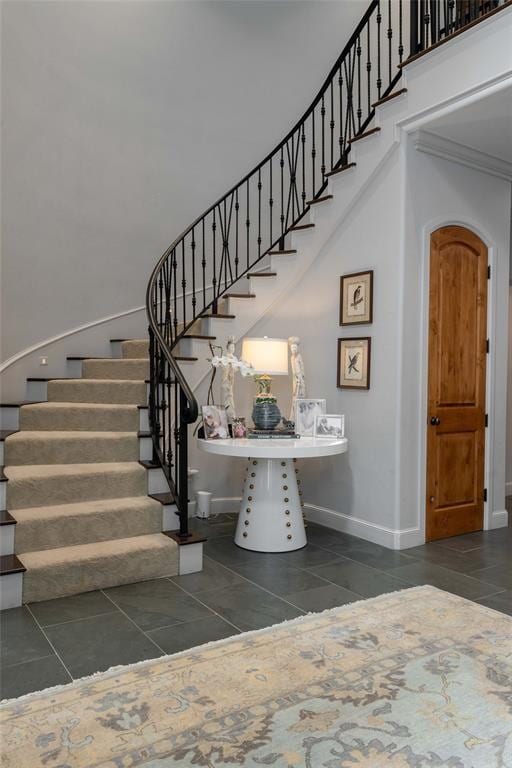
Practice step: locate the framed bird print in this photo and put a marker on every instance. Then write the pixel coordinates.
(356, 298)
(354, 363)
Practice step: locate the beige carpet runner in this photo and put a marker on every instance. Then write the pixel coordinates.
(76, 488)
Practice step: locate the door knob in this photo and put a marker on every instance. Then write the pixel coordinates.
(435, 421)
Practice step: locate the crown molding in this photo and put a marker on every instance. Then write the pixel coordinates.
(432, 144)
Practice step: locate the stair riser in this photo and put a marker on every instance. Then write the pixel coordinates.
(7, 536)
(133, 370)
(77, 419)
(38, 492)
(11, 589)
(76, 450)
(9, 417)
(157, 482)
(75, 578)
(134, 349)
(168, 520)
(43, 534)
(91, 391)
(194, 348)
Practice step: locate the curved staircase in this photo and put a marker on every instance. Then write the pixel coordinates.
(96, 467)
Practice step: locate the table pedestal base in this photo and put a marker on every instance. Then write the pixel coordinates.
(270, 518)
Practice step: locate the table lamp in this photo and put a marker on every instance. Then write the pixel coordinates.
(268, 357)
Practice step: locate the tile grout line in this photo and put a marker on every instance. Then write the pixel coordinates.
(50, 643)
(79, 618)
(134, 624)
(27, 661)
(189, 594)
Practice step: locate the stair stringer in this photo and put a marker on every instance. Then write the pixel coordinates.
(347, 188)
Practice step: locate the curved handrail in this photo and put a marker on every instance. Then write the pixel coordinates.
(271, 199)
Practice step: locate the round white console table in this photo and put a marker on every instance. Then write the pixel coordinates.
(270, 518)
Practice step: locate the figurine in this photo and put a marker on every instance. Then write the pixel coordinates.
(299, 379)
(228, 379)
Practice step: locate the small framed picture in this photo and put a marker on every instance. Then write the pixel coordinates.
(305, 413)
(356, 298)
(330, 425)
(215, 422)
(354, 363)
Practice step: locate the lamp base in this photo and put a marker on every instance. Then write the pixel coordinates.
(265, 415)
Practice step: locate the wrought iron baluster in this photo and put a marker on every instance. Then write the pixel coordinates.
(237, 208)
(340, 139)
(259, 213)
(270, 203)
(203, 260)
(303, 142)
(400, 32)
(281, 163)
(214, 279)
(183, 467)
(313, 154)
(368, 68)
(322, 116)
(390, 43)
(183, 283)
(194, 300)
(359, 110)
(174, 279)
(379, 78)
(247, 223)
(331, 125)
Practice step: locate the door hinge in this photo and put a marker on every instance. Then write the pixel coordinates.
(489, 272)
(485, 494)
(487, 346)
(486, 419)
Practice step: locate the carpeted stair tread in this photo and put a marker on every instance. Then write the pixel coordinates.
(71, 570)
(68, 525)
(70, 447)
(116, 368)
(95, 417)
(135, 348)
(38, 485)
(118, 391)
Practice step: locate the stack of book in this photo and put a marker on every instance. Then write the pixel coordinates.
(267, 434)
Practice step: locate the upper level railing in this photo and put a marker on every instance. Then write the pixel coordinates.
(433, 21)
(254, 216)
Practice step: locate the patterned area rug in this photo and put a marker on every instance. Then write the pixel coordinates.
(415, 679)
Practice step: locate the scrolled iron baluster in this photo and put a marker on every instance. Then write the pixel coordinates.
(359, 110)
(247, 223)
(214, 252)
(270, 203)
(237, 208)
(400, 32)
(332, 124)
(194, 300)
(369, 67)
(259, 213)
(303, 143)
(390, 43)
(379, 22)
(183, 282)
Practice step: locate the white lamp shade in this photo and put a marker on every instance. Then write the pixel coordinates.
(266, 355)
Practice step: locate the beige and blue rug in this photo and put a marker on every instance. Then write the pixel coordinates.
(415, 679)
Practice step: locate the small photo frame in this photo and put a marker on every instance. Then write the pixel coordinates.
(330, 425)
(215, 422)
(354, 363)
(356, 298)
(305, 412)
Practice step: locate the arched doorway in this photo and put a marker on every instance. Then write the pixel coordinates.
(457, 360)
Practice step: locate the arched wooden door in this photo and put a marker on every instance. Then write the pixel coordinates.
(456, 383)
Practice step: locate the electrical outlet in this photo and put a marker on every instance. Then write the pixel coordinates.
(43, 361)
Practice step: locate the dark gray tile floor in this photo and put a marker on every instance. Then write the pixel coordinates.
(51, 643)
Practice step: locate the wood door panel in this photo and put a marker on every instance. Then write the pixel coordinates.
(456, 468)
(458, 348)
(456, 383)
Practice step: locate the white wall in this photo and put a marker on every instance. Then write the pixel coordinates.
(122, 122)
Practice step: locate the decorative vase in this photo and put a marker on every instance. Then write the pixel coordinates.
(265, 413)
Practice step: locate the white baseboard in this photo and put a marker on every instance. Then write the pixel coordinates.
(378, 534)
(219, 506)
(499, 519)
